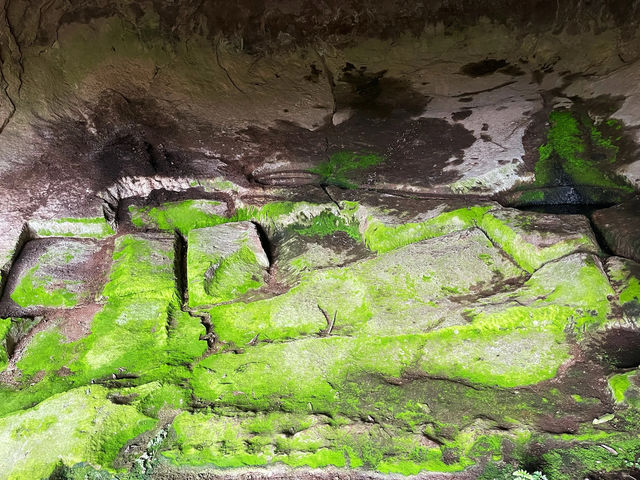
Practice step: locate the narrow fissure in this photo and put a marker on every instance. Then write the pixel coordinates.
(180, 267)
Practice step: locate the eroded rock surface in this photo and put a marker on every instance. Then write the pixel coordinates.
(619, 228)
(271, 239)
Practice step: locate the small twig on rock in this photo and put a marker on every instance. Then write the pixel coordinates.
(330, 322)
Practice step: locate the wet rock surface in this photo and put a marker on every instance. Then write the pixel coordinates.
(273, 240)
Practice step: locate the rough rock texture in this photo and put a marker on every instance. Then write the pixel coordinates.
(620, 228)
(224, 262)
(437, 351)
(274, 239)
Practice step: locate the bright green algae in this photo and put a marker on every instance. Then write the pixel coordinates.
(91, 227)
(336, 171)
(76, 426)
(568, 156)
(315, 387)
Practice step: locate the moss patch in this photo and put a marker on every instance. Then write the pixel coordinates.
(383, 238)
(224, 262)
(77, 426)
(337, 169)
(578, 153)
(53, 280)
(92, 227)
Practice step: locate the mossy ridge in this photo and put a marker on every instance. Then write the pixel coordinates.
(314, 441)
(143, 335)
(570, 293)
(82, 227)
(382, 238)
(224, 262)
(336, 170)
(394, 293)
(75, 426)
(190, 214)
(310, 372)
(528, 256)
(571, 139)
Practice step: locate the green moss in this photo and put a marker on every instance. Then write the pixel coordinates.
(140, 331)
(328, 223)
(631, 292)
(382, 238)
(503, 357)
(528, 256)
(50, 282)
(389, 294)
(32, 290)
(619, 384)
(337, 169)
(143, 268)
(224, 263)
(92, 227)
(76, 426)
(191, 214)
(5, 327)
(209, 439)
(582, 460)
(568, 152)
(181, 216)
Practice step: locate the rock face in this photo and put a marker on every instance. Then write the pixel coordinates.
(620, 229)
(287, 240)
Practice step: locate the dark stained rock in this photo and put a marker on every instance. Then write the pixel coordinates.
(619, 226)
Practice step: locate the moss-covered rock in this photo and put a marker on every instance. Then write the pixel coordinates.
(532, 239)
(224, 262)
(401, 292)
(81, 425)
(52, 274)
(387, 339)
(12, 330)
(72, 227)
